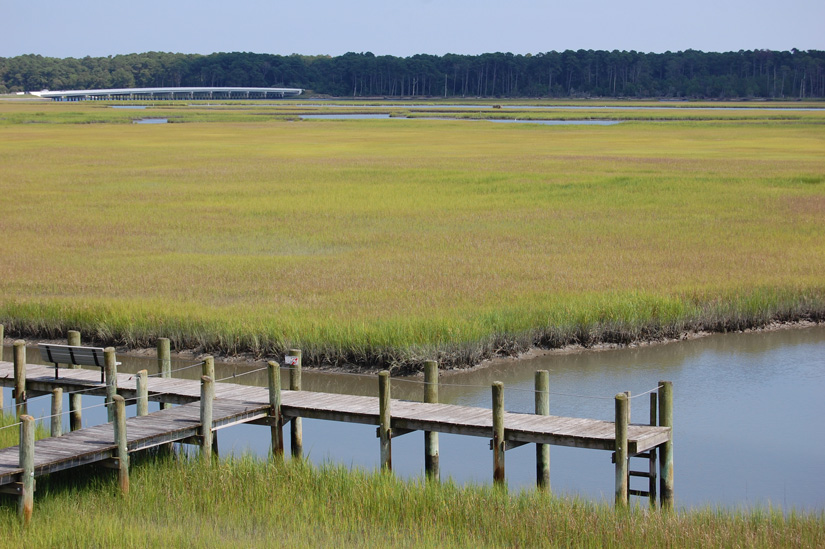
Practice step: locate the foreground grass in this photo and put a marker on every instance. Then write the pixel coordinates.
(247, 502)
(390, 242)
(10, 434)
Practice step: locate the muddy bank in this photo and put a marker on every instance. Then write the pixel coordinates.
(509, 353)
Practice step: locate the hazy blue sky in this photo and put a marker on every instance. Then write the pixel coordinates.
(76, 28)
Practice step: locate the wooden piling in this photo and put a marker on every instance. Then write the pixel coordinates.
(666, 495)
(384, 420)
(293, 361)
(208, 368)
(431, 466)
(621, 451)
(57, 412)
(543, 409)
(499, 444)
(629, 402)
(111, 380)
(119, 405)
(164, 364)
(207, 394)
(654, 420)
(276, 427)
(26, 462)
(142, 387)
(21, 408)
(75, 401)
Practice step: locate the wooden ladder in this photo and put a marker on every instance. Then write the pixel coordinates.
(651, 456)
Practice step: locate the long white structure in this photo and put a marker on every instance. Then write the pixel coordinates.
(156, 94)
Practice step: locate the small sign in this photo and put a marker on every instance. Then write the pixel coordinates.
(292, 360)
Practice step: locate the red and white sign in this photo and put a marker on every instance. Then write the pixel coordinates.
(292, 360)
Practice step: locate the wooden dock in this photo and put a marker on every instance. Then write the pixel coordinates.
(234, 403)
(95, 444)
(406, 415)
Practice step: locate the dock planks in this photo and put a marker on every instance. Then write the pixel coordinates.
(236, 403)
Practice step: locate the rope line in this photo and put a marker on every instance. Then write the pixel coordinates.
(476, 386)
(239, 375)
(201, 363)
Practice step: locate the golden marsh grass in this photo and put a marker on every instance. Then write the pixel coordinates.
(261, 504)
(391, 241)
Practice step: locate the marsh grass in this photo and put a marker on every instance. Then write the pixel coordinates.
(253, 503)
(386, 243)
(10, 435)
(100, 112)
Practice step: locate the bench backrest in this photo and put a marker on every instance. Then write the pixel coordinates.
(70, 354)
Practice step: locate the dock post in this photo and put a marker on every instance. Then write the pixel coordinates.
(654, 420)
(164, 364)
(621, 451)
(629, 402)
(499, 444)
(431, 439)
(274, 377)
(57, 412)
(20, 378)
(26, 462)
(666, 496)
(207, 394)
(111, 380)
(208, 369)
(141, 382)
(75, 401)
(293, 360)
(119, 404)
(543, 409)
(384, 420)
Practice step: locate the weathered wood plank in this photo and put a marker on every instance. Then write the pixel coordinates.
(444, 418)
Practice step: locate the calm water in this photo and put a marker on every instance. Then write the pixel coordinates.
(748, 411)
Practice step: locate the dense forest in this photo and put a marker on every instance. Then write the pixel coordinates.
(584, 73)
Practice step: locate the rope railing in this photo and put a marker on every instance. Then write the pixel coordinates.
(473, 386)
(10, 426)
(237, 375)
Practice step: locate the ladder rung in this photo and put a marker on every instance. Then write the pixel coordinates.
(645, 455)
(639, 474)
(640, 493)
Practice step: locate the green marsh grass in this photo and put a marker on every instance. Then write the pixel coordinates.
(10, 435)
(252, 503)
(388, 242)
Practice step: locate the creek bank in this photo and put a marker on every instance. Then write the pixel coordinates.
(512, 357)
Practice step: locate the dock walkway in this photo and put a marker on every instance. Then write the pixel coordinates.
(94, 444)
(406, 415)
(193, 421)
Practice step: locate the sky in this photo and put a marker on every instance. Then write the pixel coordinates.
(80, 28)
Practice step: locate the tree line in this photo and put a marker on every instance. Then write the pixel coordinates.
(583, 73)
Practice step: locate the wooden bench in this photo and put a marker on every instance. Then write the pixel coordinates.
(71, 354)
